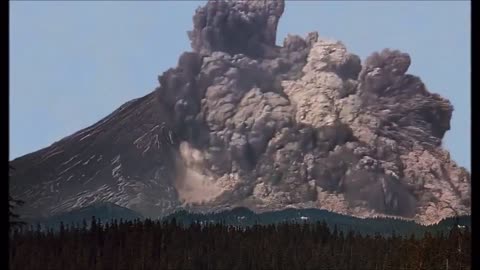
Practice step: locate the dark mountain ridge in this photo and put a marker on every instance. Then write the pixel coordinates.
(244, 217)
(103, 212)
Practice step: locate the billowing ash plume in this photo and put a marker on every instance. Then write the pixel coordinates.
(298, 123)
(303, 124)
(248, 27)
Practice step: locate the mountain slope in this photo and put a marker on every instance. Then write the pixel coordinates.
(103, 162)
(243, 122)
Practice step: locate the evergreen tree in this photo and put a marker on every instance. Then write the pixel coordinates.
(13, 218)
(170, 245)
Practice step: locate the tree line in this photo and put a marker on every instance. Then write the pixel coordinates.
(13, 218)
(148, 244)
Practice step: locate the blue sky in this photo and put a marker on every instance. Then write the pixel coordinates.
(72, 63)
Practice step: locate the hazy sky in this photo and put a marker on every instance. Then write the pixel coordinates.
(72, 63)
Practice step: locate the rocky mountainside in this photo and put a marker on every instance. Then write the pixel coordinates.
(243, 122)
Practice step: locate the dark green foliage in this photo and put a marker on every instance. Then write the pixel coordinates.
(385, 226)
(102, 211)
(242, 216)
(13, 218)
(165, 244)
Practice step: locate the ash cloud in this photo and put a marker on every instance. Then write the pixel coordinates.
(194, 183)
(247, 27)
(306, 113)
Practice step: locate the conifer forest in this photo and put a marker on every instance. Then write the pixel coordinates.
(147, 244)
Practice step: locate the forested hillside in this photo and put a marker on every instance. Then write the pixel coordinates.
(150, 244)
(243, 217)
(385, 226)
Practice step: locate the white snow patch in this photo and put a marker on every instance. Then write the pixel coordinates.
(156, 142)
(86, 162)
(115, 171)
(91, 178)
(139, 138)
(116, 159)
(68, 179)
(80, 133)
(51, 154)
(170, 136)
(67, 169)
(64, 163)
(84, 137)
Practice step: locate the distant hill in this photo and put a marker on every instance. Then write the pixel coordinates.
(245, 217)
(102, 211)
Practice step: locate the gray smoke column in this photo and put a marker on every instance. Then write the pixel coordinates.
(247, 27)
(306, 124)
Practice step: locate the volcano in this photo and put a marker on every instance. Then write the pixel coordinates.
(243, 122)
